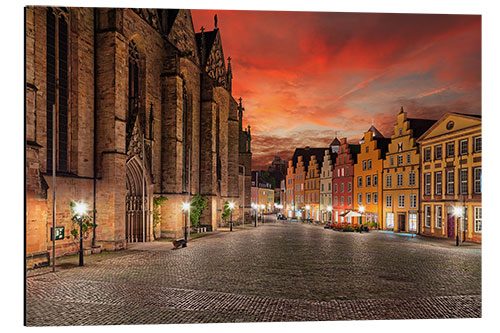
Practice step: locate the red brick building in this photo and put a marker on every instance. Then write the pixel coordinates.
(343, 180)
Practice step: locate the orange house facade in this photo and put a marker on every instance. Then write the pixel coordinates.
(367, 174)
(451, 153)
(312, 190)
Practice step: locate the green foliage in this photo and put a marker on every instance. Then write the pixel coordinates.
(157, 202)
(84, 221)
(268, 178)
(198, 204)
(226, 212)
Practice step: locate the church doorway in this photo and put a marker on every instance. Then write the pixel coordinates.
(138, 222)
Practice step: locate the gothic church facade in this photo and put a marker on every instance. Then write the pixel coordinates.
(137, 105)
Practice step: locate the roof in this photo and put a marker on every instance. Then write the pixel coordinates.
(469, 115)
(209, 41)
(419, 126)
(376, 133)
(306, 154)
(335, 142)
(354, 150)
(383, 145)
(171, 16)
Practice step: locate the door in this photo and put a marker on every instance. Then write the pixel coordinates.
(451, 226)
(402, 222)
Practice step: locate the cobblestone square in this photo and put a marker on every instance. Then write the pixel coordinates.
(285, 271)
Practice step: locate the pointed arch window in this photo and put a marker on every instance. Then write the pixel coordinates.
(57, 85)
(133, 89)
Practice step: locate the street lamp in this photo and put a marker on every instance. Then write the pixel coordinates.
(185, 208)
(256, 208)
(458, 211)
(362, 210)
(80, 210)
(231, 207)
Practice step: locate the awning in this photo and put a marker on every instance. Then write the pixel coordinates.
(351, 214)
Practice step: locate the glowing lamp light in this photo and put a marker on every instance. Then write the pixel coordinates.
(458, 211)
(308, 207)
(362, 209)
(185, 206)
(231, 205)
(262, 206)
(329, 208)
(80, 208)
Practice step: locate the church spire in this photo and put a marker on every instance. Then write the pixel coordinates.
(240, 114)
(229, 76)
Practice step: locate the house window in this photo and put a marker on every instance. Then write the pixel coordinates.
(400, 159)
(408, 158)
(391, 161)
(401, 201)
(364, 165)
(335, 188)
(369, 164)
(390, 220)
(347, 171)
(412, 219)
(411, 179)
(450, 149)
(477, 144)
(388, 181)
(329, 186)
(341, 200)
(322, 187)
(360, 198)
(399, 179)
(427, 184)
(439, 216)
(388, 201)
(375, 180)
(478, 219)
(400, 131)
(450, 182)
(360, 181)
(427, 154)
(413, 201)
(368, 198)
(342, 172)
(366, 149)
(335, 201)
(438, 152)
(464, 147)
(427, 216)
(477, 180)
(438, 180)
(349, 200)
(342, 188)
(464, 175)
(368, 181)
(349, 187)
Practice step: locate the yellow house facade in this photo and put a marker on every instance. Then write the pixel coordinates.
(401, 175)
(367, 174)
(312, 190)
(451, 153)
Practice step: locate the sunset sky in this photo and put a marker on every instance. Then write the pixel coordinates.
(306, 76)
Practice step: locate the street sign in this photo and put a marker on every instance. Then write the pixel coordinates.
(59, 233)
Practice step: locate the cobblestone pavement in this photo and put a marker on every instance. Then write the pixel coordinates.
(284, 271)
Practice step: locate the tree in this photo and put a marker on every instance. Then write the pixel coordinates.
(198, 204)
(226, 212)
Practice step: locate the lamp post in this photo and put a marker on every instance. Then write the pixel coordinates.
(255, 207)
(458, 212)
(262, 207)
(231, 207)
(80, 210)
(362, 210)
(185, 208)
